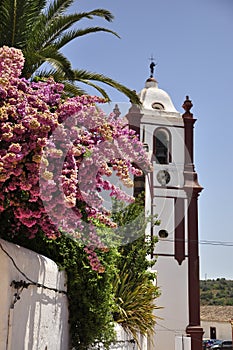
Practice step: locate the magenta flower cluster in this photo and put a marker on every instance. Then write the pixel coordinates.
(55, 156)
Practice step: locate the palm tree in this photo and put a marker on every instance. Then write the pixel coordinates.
(41, 29)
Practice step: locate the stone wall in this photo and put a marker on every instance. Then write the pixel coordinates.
(31, 317)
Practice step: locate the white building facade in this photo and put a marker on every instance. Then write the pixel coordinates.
(171, 192)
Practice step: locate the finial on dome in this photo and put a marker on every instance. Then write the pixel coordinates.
(152, 66)
(151, 82)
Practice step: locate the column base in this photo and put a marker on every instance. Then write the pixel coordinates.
(196, 334)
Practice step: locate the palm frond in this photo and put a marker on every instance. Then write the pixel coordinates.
(98, 88)
(40, 28)
(16, 20)
(73, 34)
(57, 8)
(107, 15)
(49, 21)
(82, 75)
(52, 30)
(51, 56)
(69, 87)
(73, 90)
(4, 20)
(58, 75)
(12, 12)
(87, 78)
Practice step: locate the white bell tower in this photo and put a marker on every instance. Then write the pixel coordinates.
(171, 191)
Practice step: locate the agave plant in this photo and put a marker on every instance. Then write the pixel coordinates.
(134, 289)
(135, 300)
(41, 28)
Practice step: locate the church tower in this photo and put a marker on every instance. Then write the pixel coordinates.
(171, 192)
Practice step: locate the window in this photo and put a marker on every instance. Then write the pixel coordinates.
(163, 234)
(161, 146)
(157, 105)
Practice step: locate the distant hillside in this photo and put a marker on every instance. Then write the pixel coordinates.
(216, 292)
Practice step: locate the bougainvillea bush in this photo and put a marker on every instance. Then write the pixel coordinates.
(56, 153)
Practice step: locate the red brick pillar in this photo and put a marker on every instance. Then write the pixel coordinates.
(134, 117)
(192, 188)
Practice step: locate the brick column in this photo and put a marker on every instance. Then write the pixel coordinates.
(193, 189)
(134, 117)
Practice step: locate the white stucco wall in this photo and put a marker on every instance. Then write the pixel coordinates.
(124, 341)
(172, 278)
(172, 318)
(39, 319)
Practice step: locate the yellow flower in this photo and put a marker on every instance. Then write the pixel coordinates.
(7, 136)
(56, 152)
(44, 161)
(3, 177)
(45, 128)
(3, 113)
(34, 124)
(77, 235)
(101, 269)
(36, 158)
(47, 175)
(77, 150)
(128, 183)
(70, 201)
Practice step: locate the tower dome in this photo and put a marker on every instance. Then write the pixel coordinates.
(153, 98)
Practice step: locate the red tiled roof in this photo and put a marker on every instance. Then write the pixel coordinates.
(216, 313)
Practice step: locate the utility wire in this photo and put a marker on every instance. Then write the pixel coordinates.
(24, 284)
(175, 331)
(207, 242)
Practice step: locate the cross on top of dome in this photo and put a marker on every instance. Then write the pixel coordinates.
(152, 66)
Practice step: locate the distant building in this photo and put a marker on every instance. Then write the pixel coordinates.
(215, 321)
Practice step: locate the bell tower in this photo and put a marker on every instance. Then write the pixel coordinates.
(171, 192)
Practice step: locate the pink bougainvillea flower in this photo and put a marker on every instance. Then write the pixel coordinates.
(55, 154)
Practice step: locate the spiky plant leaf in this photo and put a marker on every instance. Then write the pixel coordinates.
(135, 299)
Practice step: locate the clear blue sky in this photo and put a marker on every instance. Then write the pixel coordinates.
(192, 42)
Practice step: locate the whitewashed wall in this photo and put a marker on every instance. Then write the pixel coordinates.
(124, 341)
(39, 319)
(182, 343)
